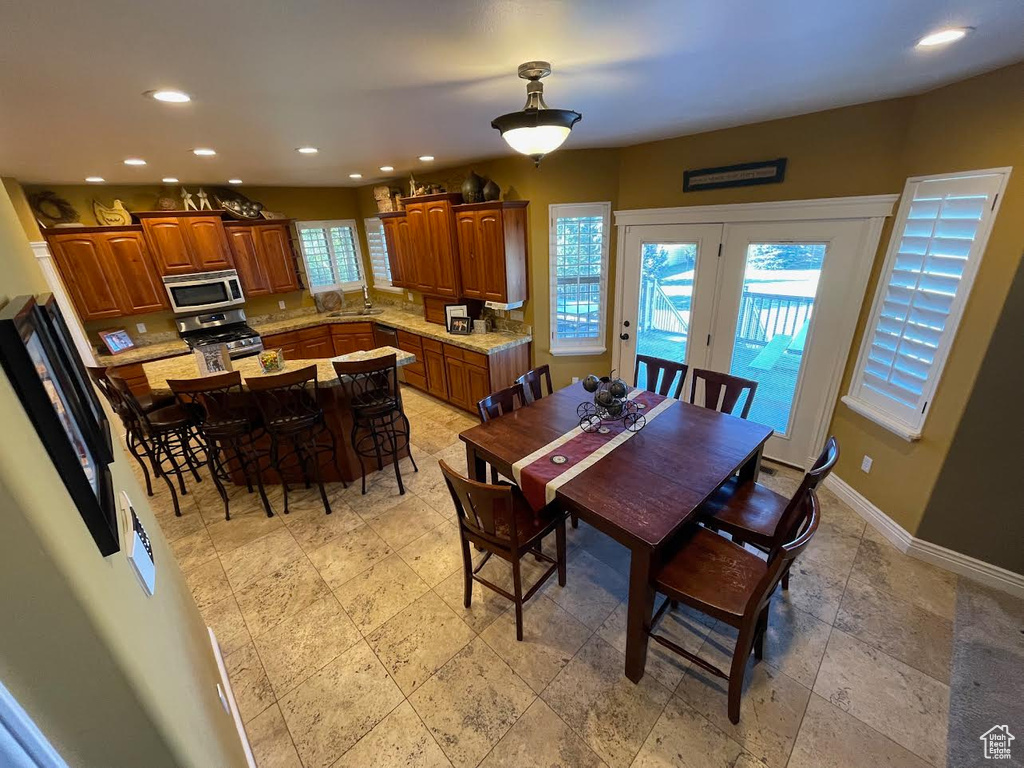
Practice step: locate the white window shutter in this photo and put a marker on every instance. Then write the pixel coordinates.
(332, 255)
(379, 263)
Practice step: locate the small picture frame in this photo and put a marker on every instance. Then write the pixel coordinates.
(460, 326)
(454, 310)
(213, 358)
(117, 340)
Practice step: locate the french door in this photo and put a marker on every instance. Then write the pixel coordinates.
(766, 301)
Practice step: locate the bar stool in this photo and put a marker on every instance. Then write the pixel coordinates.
(230, 427)
(379, 424)
(292, 415)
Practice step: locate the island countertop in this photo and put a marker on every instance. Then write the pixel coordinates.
(158, 372)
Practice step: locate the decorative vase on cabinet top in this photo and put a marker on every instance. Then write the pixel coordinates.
(491, 190)
(472, 188)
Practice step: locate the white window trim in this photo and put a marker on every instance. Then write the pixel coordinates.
(913, 430)
(379, 283)
(560, 348)
(327, 224)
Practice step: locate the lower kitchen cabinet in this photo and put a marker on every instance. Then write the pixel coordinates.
(352, 337)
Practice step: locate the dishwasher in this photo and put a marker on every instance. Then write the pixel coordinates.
(387, 337)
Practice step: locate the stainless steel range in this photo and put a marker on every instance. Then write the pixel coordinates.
(225, 327)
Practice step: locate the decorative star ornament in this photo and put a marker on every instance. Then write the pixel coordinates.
(186, 199)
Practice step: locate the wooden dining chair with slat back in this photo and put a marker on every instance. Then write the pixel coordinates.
(498, 404)
(723, 580)
(534, 383)
(499, 520)
(662, 376)
(722, 391)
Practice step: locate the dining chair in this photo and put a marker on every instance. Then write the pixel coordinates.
(499, 520)
(753, 514)
(663, 376)
(498, 404)
(534, 381)
(720, 578)
(722, 391)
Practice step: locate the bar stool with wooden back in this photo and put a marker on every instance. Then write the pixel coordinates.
(379, 425)
(229, 425)
(663, 376)
(752, 513)
(534, 381)
(289, 405)
(498, 404)
(729, 583)
(499, 520)
(722, 391)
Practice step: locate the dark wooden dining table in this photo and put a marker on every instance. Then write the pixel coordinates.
(642, 492)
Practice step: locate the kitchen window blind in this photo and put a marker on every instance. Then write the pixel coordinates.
(331, 252)
(378, 247)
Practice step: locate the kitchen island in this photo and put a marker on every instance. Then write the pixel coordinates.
(333, 399)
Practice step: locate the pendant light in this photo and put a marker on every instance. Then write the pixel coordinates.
(536, 130)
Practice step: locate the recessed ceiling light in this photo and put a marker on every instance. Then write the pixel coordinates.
(203, 152)
(134, 161)
(426, 158)
(307, 150)
(355, 175)
(387, 168)
(943, 36)
(234, 181)
(94, 179)
(170, 96)
(169, 180)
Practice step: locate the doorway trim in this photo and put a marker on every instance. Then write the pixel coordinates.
(871, 209)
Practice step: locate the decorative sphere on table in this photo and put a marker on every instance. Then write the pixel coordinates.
(604, 397)
(610, 403)
(617, 388)
(591, 383)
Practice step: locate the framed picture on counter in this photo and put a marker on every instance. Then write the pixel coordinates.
(117, 340)
(454, 310)
(460, 326)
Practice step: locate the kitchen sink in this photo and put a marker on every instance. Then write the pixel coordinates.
(356, 313)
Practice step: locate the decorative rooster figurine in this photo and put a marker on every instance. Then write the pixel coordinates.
(118, 216)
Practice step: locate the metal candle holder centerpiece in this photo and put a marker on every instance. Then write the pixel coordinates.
(609, 404)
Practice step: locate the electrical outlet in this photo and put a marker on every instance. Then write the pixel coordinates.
(517, 314)
(409, 295)
(140, 327)
(865, 464)
(281, 304)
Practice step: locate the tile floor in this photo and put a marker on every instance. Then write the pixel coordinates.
(348, 645)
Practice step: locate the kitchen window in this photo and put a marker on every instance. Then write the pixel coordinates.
(379, 262)
(579, 277)
(936, 247)
(331, 252)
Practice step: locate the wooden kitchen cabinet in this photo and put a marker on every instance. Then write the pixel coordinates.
(437, 375)
(389, 223)
(262, 254)
(434, 251)
(351, 337)
(288, 343)
(315, 342)
(492, 251)
(186, 241)
(275, 242)
(252, 272)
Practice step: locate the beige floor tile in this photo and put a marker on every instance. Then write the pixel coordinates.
(470, 703)
(227, 623)
(379, 497)
(883, 567)
(312, 528)
(208, 583)
(406, 522)
(334, 708)
(831, 738)
(437, 495)
(603, 547)
(432, 436)
(594, 697)
(175, 528)
(254, 560)
(380, 592)
(913, 635)
(795, 642)
(400, 739)
(241, 529)
(682, 626)
(305, 643)
(435, 555)
(904, 704)
(193, 549)
(270, 741)
(683, 739)
(486, 605)
(838, 513)
(249, 682)
(540, 739)
(551, 637)
(832, 547)
(269, 601)
(592, 591)
(348, 555)
(419, 640)
(815, 589)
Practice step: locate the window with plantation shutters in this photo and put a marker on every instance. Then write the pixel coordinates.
(937, 244)
(330, 250)
(378, 246)
(579, 277)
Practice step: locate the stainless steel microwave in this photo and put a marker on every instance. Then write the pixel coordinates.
(203, 291)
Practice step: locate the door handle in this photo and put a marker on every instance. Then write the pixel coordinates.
(624, 336)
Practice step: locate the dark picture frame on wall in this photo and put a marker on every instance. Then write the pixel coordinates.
(61, 405)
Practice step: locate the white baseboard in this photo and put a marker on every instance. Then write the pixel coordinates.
(947, 559)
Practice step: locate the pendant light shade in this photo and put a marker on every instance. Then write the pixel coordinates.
(536, 130)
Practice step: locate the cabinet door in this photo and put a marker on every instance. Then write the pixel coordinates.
(169, 243)
(419, 252)
(84, 268)
(441, 244)
(251, 271)
(323, 347)
(479, 383)
(279, 260)
(391, 245)
(210, 249)
(490, 247)
(140, 285)
(437, 378)
(458, 382)
(407, 254)
(470, 260)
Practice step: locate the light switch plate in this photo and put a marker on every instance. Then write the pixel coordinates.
(140, 327)
(865, 464)
(281, 304)
(517, 314)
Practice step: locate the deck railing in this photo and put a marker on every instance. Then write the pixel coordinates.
(660, 314)
(763, 316)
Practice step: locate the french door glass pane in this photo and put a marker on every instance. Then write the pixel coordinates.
(779, 285)
(666, 296)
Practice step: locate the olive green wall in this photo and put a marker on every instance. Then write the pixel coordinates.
(113, 678)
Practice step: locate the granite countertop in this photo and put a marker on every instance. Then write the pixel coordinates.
(159, 371)
(484, 343)
(144, 353)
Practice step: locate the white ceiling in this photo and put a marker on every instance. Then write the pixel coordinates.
(383, 81)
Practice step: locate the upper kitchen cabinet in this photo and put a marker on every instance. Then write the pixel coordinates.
(492, 251)
(431, 225)
(251, 270)
(276, 249)
(186, 241)
(262, 254)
